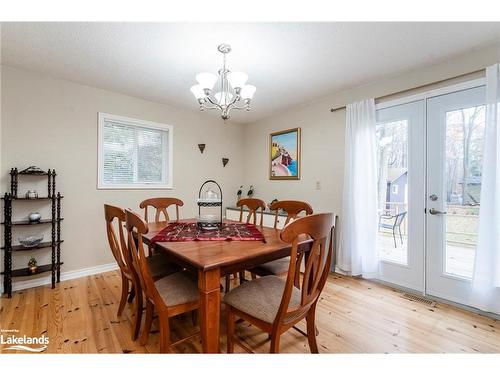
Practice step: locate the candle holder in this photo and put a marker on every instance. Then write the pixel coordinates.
(210, 198)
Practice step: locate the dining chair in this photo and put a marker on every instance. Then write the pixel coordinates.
(396, 224)
(131, 287)
(275, 305)
(253, 205)
(171, 295)
(292, 209)
(161, 205)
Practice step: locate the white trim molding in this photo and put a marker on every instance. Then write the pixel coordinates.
(69, 275)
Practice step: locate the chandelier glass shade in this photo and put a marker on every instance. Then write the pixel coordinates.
(232, 92)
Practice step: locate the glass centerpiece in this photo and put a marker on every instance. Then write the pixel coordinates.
(210, 199)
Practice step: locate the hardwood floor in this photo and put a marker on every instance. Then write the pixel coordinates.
(353, 316)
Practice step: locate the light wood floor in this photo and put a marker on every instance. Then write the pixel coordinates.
(353, 316)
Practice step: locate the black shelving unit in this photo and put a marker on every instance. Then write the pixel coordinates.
(55, 221)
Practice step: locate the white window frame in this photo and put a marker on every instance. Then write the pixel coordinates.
(102, 118)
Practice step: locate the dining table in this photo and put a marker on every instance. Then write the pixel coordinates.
(212, 260)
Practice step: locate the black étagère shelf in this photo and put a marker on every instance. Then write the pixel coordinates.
(30, 199)
(26, 271)
(55, 221)
(27, 222)
(41, 245)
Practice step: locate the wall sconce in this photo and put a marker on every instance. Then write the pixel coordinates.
(224, 161)
(201, 146)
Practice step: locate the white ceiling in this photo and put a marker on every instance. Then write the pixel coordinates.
(290, 63)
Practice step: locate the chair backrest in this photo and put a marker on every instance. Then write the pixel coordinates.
(115, 219)
(318, 227)
(292, 209)
(135, 224)
(253, 204)
(399, 218)
(161, 205)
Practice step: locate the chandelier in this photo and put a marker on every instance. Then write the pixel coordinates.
(233, 92)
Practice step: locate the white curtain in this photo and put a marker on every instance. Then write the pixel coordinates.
(486, 279)
(357, 251)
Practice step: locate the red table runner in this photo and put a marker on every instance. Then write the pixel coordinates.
(191, 232)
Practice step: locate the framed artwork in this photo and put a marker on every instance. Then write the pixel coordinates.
(284, 155)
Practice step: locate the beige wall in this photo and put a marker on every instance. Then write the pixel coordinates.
(52, 123)
(323, 134)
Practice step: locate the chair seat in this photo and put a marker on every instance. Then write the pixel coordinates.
(160, 266)
(276, 267)
(386, 226)
(261, 297)
(177, 288)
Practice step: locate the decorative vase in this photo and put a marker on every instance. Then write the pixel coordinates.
(34, 217)
(31, 194)
(250, 192)
(239, 193)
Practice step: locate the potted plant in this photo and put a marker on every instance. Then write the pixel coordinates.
(32, 266)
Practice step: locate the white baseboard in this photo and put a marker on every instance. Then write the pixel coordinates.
(25, 284)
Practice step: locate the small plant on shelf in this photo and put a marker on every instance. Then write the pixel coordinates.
(32, 265)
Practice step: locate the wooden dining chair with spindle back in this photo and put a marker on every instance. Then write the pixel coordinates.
(131, 286)
(292, 209)
(171, 295)
(276, 305)
(253, 206)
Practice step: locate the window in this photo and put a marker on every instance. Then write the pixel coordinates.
(392, 171)
(134, 154)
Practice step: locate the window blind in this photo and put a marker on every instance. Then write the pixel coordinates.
(133, 154)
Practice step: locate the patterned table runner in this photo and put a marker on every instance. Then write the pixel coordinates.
(177, 232)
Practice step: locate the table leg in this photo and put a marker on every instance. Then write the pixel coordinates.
(209, 288)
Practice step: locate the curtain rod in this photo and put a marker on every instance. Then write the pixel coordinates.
(416, 87)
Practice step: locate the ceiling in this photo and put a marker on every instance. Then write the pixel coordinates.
(290, 63)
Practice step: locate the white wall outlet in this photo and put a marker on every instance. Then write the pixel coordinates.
(318, 185)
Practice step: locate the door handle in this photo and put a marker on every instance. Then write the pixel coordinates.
(433, 211)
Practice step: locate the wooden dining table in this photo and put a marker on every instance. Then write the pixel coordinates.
(215, 259)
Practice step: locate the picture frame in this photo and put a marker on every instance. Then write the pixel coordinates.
(284, 154)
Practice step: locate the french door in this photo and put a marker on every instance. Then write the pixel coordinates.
(401, 192)
(429, 186)
(455, 135)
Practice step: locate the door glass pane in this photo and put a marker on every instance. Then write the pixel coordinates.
(463, 166)
(392, 164)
